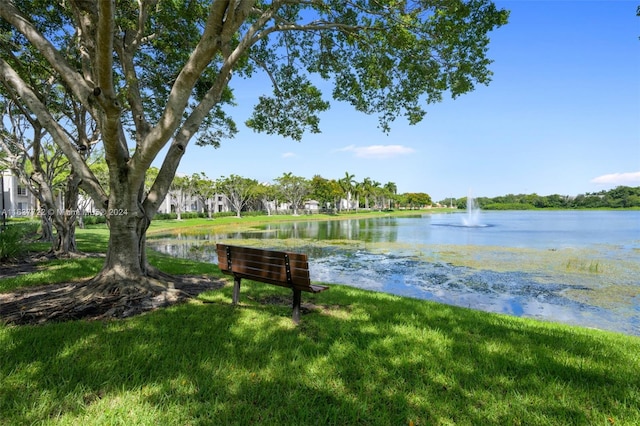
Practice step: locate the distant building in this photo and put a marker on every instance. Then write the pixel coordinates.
(17, 200)
(311, 206)
(190, 203)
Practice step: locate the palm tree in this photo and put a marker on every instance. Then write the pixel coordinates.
(367, 189)
(347, 183)
(392, 188)
(378, 194)
(358, 190)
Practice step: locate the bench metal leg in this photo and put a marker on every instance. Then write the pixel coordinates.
(236, 290)
(297, 297)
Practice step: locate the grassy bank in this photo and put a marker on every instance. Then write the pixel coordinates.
(358, 357)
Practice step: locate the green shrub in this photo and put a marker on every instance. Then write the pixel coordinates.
(250, 213)
(194, 215)
(224, 214)
(94, 219)
(165, 216)
(12, 239)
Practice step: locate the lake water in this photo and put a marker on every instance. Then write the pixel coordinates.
(575, 267)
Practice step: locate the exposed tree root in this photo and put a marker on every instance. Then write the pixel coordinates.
(99, 298)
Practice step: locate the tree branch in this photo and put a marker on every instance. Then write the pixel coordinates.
(129, 44)
(89, 182)
(70, 76)
(115, 144)
(181, 90)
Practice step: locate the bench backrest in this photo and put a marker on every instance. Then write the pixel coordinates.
(274, 267)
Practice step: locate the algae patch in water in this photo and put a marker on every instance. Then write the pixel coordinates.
(605, 276)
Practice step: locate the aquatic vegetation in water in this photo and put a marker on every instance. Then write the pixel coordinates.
(583, 265)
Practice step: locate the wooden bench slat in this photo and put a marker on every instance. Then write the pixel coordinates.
(300, 283)
(271, 266)
(261, 273)
(298, 277)
(264, 280)
(262, 262)
(261, 253)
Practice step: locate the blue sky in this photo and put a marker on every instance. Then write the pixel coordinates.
(561, 116)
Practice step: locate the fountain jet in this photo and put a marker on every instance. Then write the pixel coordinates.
(472, 219)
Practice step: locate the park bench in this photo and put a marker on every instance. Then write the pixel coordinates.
(280, 268)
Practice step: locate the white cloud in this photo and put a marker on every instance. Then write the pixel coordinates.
(288, 155)
(378, 151)
(630, 178)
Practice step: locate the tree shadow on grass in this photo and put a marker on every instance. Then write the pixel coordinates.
(365, 359)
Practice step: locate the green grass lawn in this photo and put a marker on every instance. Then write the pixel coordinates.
(357, 358)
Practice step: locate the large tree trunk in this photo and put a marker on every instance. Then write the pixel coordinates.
(65, 221)
(126, 247)
(126, 269)
(47, 228)
(65, 242)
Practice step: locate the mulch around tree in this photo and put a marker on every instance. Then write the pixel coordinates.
(59, 302)
(23, 266)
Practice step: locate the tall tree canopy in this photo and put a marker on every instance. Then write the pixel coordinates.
(160, 73)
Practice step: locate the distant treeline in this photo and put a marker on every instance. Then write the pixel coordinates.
(620, 197)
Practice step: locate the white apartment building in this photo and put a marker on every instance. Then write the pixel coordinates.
(17, 201)
(189, 203)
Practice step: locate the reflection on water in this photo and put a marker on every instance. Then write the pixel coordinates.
(368, 230)
(400, 256)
